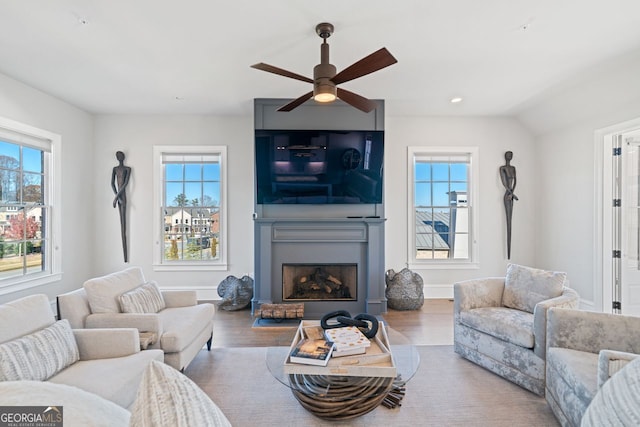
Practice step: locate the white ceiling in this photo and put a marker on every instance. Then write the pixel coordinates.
(193, 56)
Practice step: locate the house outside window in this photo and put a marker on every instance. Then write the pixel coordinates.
(442, 207)
(29, 231)
(190, 195)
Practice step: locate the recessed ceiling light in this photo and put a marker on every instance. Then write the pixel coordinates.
(455, 100)
(526, 26)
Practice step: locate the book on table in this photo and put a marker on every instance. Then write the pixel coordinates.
(348, 340)
(312, 352)
(377, 361)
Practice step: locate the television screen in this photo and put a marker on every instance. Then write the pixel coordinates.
(318, 167)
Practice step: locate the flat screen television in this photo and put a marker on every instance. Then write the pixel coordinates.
(319, 166)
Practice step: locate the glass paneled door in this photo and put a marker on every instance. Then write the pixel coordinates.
(626, 206)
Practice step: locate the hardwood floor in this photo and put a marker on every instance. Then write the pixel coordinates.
(431, 325)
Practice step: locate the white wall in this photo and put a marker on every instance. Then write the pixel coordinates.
(29, 106)
(136, 136)
(91, 226)
(553, 220)
(565, 211)
(565, 122)
(606, 92)
(493, 136)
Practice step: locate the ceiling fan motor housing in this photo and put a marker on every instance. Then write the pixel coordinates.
(322, 84)
(324, 89)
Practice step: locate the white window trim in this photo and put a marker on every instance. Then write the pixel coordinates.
(439, 264)
(23, 133)
(158, 220)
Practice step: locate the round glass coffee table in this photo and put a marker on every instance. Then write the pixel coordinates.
(338, 397)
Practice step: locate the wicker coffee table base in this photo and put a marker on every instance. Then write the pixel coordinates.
(339, 398)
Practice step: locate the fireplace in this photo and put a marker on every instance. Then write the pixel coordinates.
(319, 282)
(316, 233)
(290, 251)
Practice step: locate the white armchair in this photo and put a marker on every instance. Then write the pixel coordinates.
(500, 322)
(181, 326)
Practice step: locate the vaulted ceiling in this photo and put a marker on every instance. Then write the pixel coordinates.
(193, 56)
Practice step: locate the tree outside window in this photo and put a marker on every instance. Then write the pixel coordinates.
(22, 210)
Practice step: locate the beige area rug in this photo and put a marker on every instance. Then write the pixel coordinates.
(447, 390)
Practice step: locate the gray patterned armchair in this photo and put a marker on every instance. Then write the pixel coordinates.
(500, 323)
(584, 349)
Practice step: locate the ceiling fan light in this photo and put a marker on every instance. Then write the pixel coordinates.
(324, 92)
(325, 97)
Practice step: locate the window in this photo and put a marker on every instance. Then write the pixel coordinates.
(28, 227)
(442, 212)
(190, 197)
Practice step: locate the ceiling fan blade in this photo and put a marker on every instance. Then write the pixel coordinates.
(367, 65)
(355, 100)
(275, 70)
(296, 102)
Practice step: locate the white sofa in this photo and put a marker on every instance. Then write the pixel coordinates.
(80, 408)
(110, 362)
(182, 328)
(165, 397)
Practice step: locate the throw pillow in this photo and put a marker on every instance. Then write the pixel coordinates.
(167, 397)
(78, 408)
(40, 355)
(525, 286)
(617, 403)
(146, 298)
(103, 292)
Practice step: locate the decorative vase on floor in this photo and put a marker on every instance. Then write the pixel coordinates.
(236, 293)
(404, 290)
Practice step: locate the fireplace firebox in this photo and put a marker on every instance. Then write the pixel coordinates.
(319, 282)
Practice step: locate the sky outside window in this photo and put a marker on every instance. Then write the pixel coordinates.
(434, 181)
(31, 157)
(197, 181)
(25, 187)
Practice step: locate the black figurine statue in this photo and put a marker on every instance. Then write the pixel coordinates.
(119, 180)
(508, 177)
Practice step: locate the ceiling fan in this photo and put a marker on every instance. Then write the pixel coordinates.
(325, 78)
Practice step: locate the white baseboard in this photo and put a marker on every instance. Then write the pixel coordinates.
(438, 291)
(204, 293)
